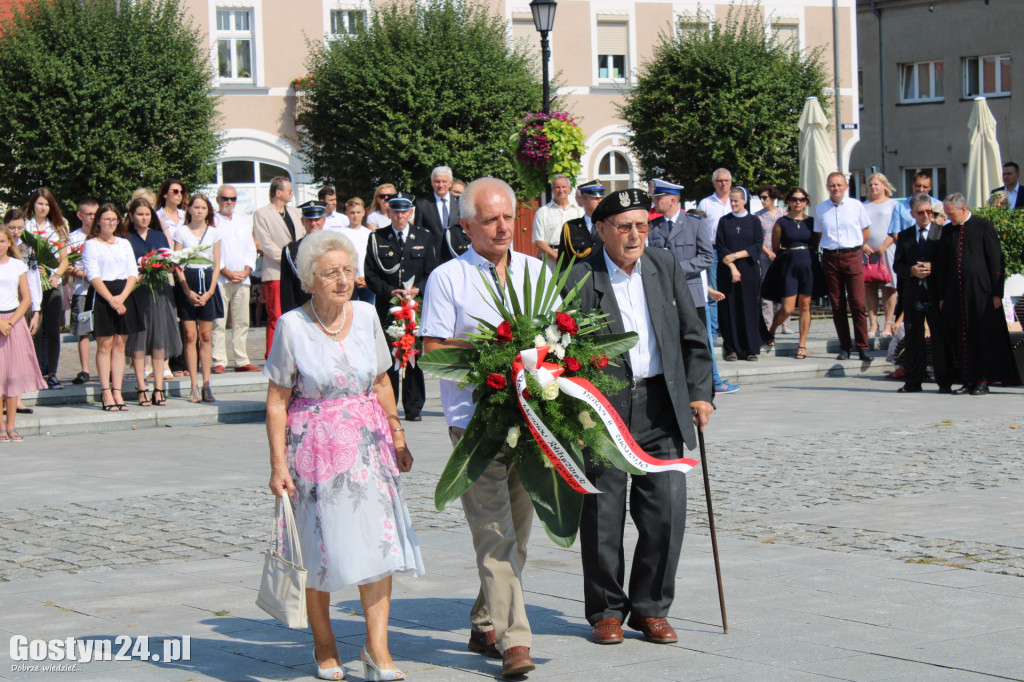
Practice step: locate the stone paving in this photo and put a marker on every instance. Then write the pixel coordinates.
(846, 515)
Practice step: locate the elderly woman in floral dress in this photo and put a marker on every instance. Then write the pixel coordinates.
(337, 447)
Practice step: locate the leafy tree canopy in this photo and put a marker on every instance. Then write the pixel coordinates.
(726, 97)
(101, 97)
(423, 84)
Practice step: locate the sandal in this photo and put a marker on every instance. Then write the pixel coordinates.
(4, 438)
(143, 396)
(731, 357)
(208, 395)
(801, 352)
(162, 400)
(194, 398)
(121, 407)
(15, 436)
(111, 407)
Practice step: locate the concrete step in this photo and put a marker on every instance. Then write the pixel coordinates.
(179, 387)
(771, 368)
(68, 419)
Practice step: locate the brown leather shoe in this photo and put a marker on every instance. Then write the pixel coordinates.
(516, 661)
(607, 631)
(484, 643)
(655, 630)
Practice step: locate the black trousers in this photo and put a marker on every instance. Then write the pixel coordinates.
(413, 389)
(657, 505)
(47, 339)
(917, 355)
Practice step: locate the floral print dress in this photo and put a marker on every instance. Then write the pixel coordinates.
(354, 526)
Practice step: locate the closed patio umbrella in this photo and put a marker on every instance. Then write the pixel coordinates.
(984, 162)
(817, 159)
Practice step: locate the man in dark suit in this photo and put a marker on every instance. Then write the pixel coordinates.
(915, 250)
(399, 258)
(314, 213)
(579, 236)
(440, 210)
(669, 389)
(1011, 185)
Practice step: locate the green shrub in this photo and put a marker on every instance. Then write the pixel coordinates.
(1010, 228)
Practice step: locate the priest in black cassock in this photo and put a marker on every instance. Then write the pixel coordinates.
(969, 269)
(738, 243)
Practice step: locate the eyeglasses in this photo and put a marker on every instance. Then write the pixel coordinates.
(803, 199)
(924, 212)
(174, 191)
(227, 198)
(335, 275)
(386, 197)
(626, 228)
(763, 197)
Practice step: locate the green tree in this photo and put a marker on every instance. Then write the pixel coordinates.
(725, 97)
(423, 84)
(101, 97)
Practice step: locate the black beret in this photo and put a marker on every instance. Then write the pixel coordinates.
(620, 202)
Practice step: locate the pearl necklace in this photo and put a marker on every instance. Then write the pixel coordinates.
(328, 330)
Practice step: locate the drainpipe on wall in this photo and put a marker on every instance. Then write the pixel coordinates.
(881, 86)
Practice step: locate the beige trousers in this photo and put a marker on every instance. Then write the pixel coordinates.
(236, 306)
(499, 513)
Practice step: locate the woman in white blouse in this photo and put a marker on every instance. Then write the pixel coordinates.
(112, 271)
(170, 199)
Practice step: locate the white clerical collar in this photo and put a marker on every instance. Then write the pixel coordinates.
(739, 215)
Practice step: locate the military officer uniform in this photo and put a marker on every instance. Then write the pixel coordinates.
(579, 236)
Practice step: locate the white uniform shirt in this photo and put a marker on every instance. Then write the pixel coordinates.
(237, 247)
(644, 357)
(455, 294)
(359, 237)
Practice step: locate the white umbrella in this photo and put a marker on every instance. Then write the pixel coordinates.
(817, 159)
(984, 163)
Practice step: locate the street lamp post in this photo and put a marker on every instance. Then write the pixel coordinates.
(544, 21)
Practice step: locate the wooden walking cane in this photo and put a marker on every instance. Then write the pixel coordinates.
(711, 523)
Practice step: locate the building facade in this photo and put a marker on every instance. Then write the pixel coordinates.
(922, 64)
(257, 48)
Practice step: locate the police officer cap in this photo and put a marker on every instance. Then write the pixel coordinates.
(401, 202)
(665, 187)
(620, 202)
(313, 209)
(594, 188)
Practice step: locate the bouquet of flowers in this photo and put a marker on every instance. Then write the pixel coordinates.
(404, 323)
(546, 145)
(155, 265)
(541, 371)
(46, 253)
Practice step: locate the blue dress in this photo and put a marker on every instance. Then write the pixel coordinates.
(739, 314)
(796, 276)
(156, 308)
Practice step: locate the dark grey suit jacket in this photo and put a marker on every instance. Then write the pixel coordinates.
(426, 216)
(681, 336)
(689, 240)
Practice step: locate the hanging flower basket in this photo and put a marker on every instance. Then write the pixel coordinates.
(546, 145)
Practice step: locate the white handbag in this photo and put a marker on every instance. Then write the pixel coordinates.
(283, 587)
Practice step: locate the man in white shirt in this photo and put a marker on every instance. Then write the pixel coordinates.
(80, 283)
(845, 228)
(334, 221)
(358, 234)
(714, 207)
(237, 260)
(551, 218)
(497, 507)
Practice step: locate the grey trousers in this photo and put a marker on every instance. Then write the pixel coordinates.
(499, 514)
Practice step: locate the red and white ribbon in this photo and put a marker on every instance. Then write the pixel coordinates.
(531, 361)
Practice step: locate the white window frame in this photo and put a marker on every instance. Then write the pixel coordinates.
(979, 62)
(787, 22)
(628, 177)
(626, 20)
(254, 7)
(914, 70)
(346, 13)
(232, 35)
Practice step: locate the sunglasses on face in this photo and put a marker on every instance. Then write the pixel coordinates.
(227, 198)
(763, 197)
(924, 212)
(386, 197)
(803, 199)
(174, 191)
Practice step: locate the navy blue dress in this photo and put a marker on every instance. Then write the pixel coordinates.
(796, 276)
(156, 309)
(739, 315)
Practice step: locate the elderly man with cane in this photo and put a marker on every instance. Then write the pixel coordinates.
(669, 391)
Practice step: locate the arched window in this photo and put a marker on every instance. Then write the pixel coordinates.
(614, 171)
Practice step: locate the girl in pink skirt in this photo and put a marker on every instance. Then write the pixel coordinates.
(19, 371)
